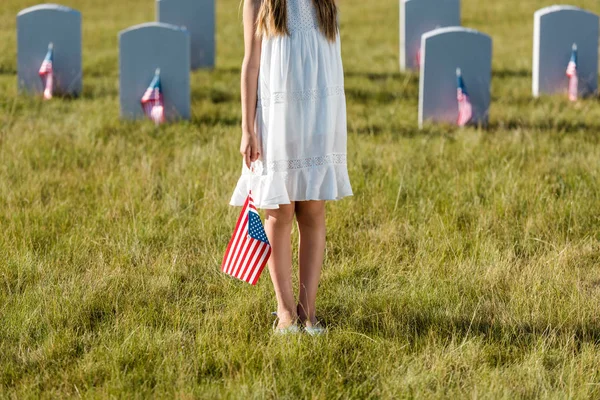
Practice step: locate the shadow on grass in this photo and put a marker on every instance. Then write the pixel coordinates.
(414, 325)
(414, 76)
(8, 70)
(203, 119)
(511, 73)
(401, 129)
(213, 94)
(520, 101)
(92, 90)
(363, 95)
(380, 76)
(562, 125)
(227, 70)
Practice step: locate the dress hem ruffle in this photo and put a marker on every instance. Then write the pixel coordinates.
(323, 182)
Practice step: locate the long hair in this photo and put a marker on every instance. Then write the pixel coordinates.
(272, 18)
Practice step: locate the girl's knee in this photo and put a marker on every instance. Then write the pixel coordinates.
(310, 212)
(283, 215)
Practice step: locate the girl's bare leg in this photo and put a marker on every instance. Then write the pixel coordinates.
(311, 224)
(278, 226)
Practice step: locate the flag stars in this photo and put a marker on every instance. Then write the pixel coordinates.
(255, 228)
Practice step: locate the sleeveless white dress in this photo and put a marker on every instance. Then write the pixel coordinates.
(300, 118)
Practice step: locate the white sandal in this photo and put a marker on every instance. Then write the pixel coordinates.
(315, 330)
(293, 329)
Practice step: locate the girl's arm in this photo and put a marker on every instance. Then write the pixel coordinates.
(250, 68)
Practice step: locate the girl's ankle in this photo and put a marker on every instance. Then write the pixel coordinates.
(286, 319)
(306, 320)
(310, 322)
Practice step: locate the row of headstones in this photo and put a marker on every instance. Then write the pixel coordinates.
(147, 47)
(183, 38)
(432, 41)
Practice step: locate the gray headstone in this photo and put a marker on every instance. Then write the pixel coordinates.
(39, 26)
(418, 17)
(198, 17)
(555, 30)
(144, 48)
(443, 51)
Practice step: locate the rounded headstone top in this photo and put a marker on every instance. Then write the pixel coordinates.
(558, 7)
(410, 1)
(150, 25)
(49, 6)
(453, 29)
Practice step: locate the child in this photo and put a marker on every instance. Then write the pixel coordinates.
(293, 139)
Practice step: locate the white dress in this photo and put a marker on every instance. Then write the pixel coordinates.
(300, 117)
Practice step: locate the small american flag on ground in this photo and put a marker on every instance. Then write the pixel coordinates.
(572, 74)
(153, 102)
(249, 248)
(47, 73)
(465, 109)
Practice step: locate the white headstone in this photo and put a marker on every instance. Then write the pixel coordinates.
(39, 26)
(418, 17)
(556, 29)
(198, 17)
(443, 51)
(144, 48)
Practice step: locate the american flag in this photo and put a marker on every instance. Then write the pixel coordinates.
(47, 73)
(465, 109)
(249, 248)
(572, 74)
(153, 101)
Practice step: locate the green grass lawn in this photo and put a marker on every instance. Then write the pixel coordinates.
(467, 265)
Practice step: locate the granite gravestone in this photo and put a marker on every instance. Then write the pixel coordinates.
(144, 48)
(198, 17)
(39, 26)
(556, 29)
(418, 17)
(443, 51)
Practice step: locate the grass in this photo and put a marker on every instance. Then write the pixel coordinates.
(466, 265)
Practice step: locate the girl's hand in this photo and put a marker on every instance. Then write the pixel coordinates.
(249, 147)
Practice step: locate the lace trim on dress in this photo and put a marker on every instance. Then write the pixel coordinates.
(301, 96)
(302, 16)
(287, 165)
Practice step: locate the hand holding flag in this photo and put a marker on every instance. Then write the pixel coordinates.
(572, 74)
(46, 73)
(249, 248)
(465, 109)
(153, 102)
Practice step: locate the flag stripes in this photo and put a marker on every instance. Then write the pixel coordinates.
(46, 73)
(249, 249)
(465, 108)
(153, 101)
(572, 74)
